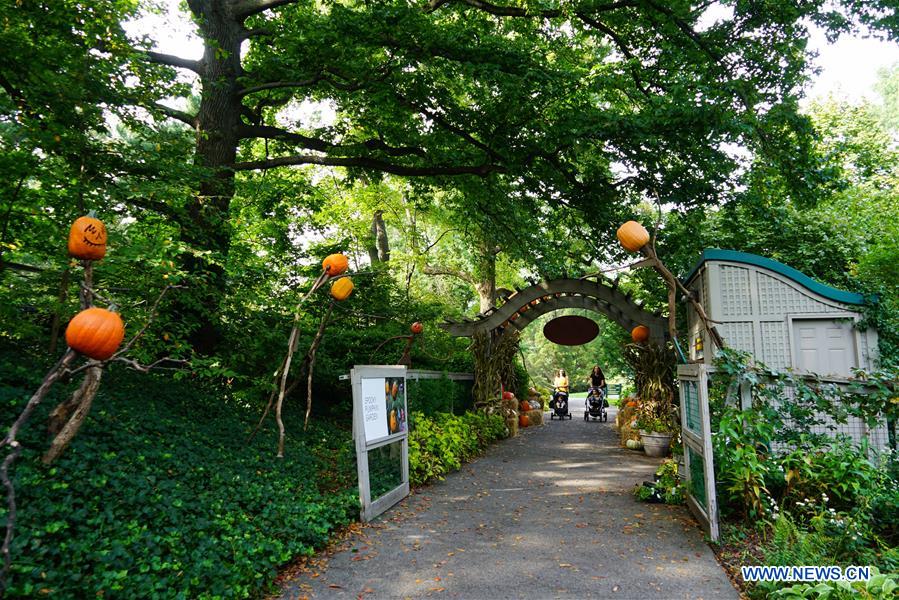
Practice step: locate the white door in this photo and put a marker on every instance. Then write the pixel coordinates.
(825, 346)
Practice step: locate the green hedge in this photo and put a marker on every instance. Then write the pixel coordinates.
(432, 396)
(440, 444)
(160, 495)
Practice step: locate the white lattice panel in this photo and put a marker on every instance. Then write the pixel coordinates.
(738, 334)
(776, 297)
(775, 353)
(736, 299)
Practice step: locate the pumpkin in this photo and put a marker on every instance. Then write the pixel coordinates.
(342, 288)
(393, 424)
(631, 404)
(87, 239)
(633, 236)
(525, 406)
(416, 328)
(508, 395)
(640, 334)
(95, 333)
(523, 421)
(335, 264)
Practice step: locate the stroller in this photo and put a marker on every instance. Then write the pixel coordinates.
(595, 405)
(559, 405)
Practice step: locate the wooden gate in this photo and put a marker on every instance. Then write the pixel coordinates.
(699, 471)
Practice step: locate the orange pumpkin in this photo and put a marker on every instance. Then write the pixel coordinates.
(393, 423)
(87, 239)
(633, 236)
(342, 288)
(523, 421)
(631, 404)
(95, 333)
(335, 264)
(640, 334)
(524, 406)
(416, 328)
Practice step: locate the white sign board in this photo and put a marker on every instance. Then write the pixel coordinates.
(380, 421)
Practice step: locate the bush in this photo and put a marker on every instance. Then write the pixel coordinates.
(440, 444)
(161, 496)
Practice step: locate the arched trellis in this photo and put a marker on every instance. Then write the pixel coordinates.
(524, 306)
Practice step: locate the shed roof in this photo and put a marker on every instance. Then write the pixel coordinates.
(779, 268)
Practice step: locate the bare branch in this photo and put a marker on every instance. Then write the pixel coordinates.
(146, 326)
(515, 11)
(256, 32)
(370, 163)
(176, 363)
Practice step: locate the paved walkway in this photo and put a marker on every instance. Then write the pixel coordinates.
(548, 514)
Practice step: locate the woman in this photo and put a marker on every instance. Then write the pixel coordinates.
(596, 378)
(561, 385)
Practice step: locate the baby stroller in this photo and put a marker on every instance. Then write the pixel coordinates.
(559, 406)
(595, 405)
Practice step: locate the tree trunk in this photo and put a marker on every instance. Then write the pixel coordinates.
(379, 231)
(486, 275)
(217, 140)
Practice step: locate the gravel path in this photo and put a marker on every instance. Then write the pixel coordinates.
(548, 514)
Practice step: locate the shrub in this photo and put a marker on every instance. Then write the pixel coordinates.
(440, 444)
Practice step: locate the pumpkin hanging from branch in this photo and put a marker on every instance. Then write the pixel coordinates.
(95, 333)
(416, 327)
(335, 264)
(632, 236)
(342, 288)
(87, 238)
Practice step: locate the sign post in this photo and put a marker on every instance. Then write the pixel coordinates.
(380, 429)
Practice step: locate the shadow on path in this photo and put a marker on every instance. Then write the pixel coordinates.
(548, 514)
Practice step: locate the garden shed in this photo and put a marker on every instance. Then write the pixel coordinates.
(783, 317)
(786, 320)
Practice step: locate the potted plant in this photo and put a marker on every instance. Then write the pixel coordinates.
(653, 367)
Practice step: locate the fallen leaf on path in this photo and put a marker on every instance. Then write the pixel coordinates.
(335, 586)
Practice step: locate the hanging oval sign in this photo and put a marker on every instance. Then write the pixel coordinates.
(571, 330)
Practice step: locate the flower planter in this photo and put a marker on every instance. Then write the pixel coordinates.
(655, 444)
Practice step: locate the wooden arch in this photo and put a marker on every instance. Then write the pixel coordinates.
(524, 306)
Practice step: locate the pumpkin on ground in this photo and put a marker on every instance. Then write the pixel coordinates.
(633, 236)
(335, 264)
(523, 421)
(524, 406)
(87, 239)
(416, 328)
(95, 333)
(342, 288)
(640, 334)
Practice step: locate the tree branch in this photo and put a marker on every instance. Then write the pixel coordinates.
(370, 163)
(429, 270)
(174, 61)
(245, 8)
(274, 85)
(178, 115)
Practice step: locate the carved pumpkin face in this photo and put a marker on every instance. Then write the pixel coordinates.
(342, 288)
(95, 333)
(416, 328)
(87, 239)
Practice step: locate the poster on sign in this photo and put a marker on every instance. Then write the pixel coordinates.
(380, 425)
(383, 407)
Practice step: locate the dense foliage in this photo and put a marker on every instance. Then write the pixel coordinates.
(161, 499)
(441, 443)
